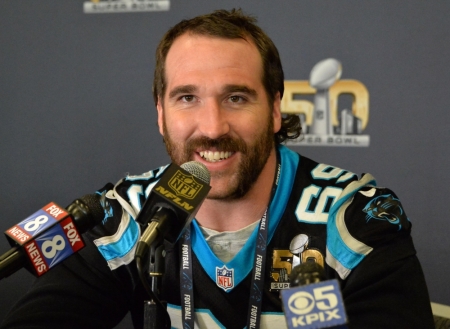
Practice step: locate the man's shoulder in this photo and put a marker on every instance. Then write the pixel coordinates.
(138, 184)
(367, 219)
(375, 215)
(359, 216)
(121, 204)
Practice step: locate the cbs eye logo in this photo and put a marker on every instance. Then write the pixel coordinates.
(301, 303)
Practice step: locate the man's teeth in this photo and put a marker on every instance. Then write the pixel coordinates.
(215, 156)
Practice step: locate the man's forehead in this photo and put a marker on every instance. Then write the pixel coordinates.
(192, 42)
(194, 54)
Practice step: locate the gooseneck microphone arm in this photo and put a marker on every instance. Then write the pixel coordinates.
(151, 248)
(11, 261)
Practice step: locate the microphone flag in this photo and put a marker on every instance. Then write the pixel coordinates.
(48, 237)
(317, 305)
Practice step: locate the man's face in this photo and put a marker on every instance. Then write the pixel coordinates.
(216, 111)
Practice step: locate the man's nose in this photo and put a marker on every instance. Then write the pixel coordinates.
(213, 121)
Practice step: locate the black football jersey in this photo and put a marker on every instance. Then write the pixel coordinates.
(357, 231)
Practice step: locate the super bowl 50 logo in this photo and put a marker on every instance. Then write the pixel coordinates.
(325, 122)
(284, 260)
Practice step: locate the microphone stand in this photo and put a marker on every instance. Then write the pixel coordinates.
(155, 311)
(154, 316)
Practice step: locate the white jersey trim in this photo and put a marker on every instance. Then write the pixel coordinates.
(204, 319)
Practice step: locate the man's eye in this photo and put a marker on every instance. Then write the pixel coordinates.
(236, 99)
(187, 98)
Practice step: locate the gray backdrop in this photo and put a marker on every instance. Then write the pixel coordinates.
(77, 112)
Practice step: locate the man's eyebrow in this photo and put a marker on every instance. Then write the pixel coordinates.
(186, 89)
(239, 88)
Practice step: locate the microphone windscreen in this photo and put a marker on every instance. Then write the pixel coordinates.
(197, 169)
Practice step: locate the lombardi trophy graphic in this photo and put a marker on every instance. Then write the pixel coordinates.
(298, 244)
(323, 75)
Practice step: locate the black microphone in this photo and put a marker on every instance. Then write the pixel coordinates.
(312, 301)
(306, 273)
(50, 235)
(172, 204)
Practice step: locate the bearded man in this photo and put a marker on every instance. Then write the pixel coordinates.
(217, 88)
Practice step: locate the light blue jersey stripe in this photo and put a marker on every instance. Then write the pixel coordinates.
(123, 245)
(346, 250)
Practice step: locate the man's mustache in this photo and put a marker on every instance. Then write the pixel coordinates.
(225, 143)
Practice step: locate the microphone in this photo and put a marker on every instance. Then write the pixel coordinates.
(313, 302)
(172, 204)
(50, 235)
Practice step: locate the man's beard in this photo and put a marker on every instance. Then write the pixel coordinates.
(253, 160)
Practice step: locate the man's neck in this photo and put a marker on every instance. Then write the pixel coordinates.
(232, 215)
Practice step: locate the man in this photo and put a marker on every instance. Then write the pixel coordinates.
(217, 88)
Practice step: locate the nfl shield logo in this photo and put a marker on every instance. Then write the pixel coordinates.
(225, 278)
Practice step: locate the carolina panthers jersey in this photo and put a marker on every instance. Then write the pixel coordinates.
(319, 212)
(358, 232)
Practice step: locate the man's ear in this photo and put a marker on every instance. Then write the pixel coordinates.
(159, 108)
(276, 113)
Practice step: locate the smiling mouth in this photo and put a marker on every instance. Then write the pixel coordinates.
(211, 156)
